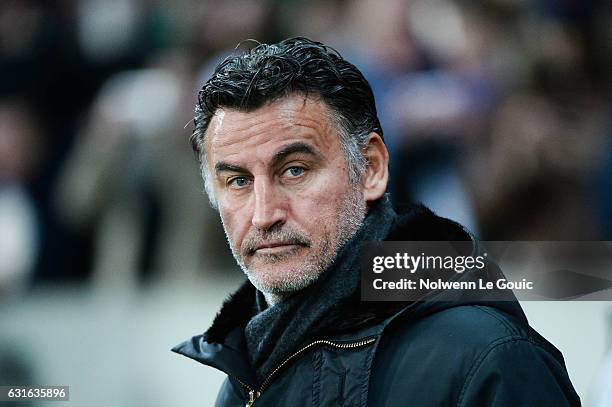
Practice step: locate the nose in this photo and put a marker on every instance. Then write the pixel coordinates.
(269, 205)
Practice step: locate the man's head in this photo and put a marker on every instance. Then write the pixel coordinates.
(292, 153)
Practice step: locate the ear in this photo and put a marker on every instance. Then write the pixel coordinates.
(376, 176)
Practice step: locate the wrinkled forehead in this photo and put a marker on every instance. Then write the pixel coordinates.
(294, 117)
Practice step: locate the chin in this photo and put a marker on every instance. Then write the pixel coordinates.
(282, 278)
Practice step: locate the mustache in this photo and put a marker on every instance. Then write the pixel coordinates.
(282, 236)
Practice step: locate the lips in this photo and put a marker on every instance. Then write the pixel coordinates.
(275, 247)
(268, 245)
(271, 246)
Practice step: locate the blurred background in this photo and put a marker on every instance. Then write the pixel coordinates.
(496, 114)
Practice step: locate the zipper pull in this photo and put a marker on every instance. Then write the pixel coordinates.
(253, 395)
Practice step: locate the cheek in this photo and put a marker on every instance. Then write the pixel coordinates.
(235, 224)
(332, 188)
(319, 205)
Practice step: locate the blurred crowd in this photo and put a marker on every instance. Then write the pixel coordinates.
(496, 113)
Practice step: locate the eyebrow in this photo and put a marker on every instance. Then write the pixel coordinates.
(223, 166)
(294, 148)
(279, 156)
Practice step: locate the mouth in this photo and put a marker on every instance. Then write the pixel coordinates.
(276, 247)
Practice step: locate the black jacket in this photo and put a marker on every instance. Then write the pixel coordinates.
(427, 353)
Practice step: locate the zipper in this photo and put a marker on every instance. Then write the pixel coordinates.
(254, 394)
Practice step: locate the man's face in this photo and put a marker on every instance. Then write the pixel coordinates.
(282, 187)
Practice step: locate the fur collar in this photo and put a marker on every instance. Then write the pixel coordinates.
(236, 311)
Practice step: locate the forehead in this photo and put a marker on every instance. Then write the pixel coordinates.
(234, 134)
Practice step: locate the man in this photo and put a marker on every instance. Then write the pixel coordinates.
(293, 158)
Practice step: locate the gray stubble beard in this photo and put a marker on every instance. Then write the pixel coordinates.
(350, 217)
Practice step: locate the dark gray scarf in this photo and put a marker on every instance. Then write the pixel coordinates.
(275, 332)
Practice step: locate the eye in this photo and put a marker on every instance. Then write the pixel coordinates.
(294, 171)
(238, 182)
